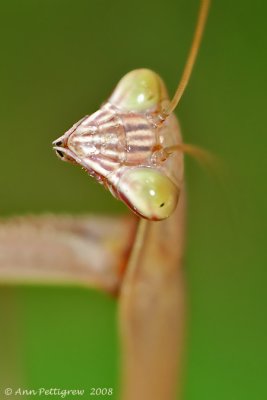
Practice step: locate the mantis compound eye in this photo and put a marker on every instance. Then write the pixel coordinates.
(148, 192)
(139, 90)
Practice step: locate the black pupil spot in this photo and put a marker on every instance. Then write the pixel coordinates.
(60, 153)
(162, 204)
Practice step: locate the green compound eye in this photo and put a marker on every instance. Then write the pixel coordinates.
(139, 90)
(148, 192)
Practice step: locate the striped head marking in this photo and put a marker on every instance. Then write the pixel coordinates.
(116, 145)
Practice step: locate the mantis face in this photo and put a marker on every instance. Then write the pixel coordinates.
(122, 146)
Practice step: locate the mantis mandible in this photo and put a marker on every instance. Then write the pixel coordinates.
(133, 146)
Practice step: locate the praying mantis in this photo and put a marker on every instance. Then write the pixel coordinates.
(133, 146)
(147, 175)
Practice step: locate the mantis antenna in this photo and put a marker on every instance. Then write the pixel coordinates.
(202, 17)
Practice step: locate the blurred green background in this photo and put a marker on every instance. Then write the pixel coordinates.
(59, 61)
